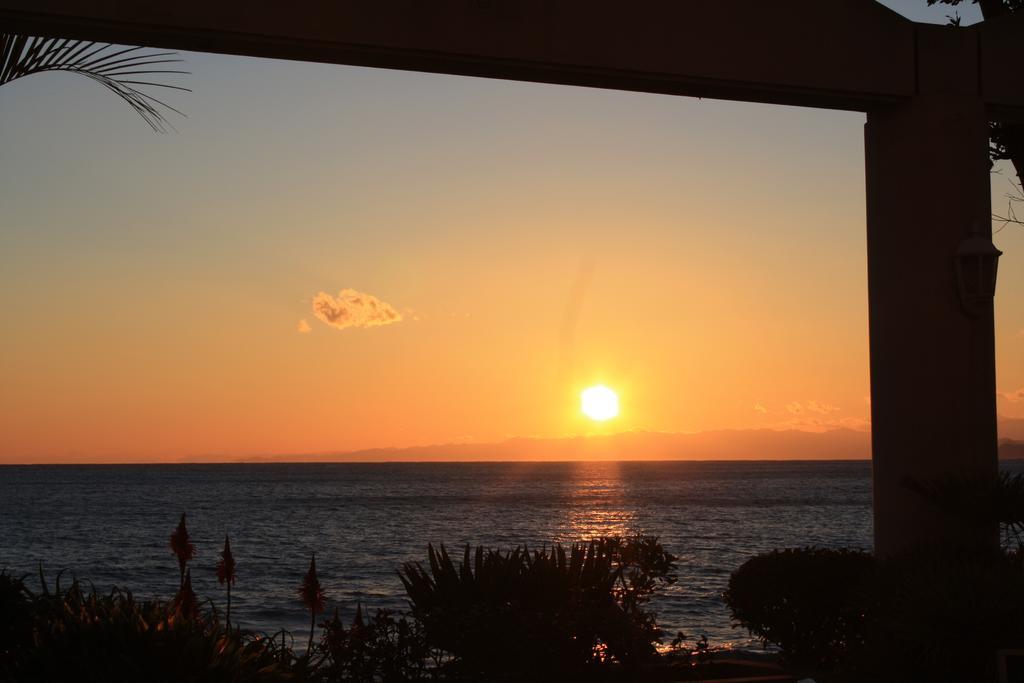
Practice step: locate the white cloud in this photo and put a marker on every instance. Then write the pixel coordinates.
(353, 309)
(303, 327)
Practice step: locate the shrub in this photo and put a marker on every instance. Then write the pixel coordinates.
(382, 648)
(557, 610)
(935, 616)
(940, 616)
(79, 635)
(560, 611)
(15, 623)
(811, 602)
(984, 506)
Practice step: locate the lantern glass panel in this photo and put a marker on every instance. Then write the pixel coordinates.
(971, 274)
(991, 264)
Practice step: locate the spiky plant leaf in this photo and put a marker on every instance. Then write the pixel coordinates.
(123, 71)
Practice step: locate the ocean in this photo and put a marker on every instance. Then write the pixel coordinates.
(110, 524)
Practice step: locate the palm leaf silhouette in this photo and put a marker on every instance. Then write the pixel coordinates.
(121, 70)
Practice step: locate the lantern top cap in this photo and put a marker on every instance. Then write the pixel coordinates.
(978, 244)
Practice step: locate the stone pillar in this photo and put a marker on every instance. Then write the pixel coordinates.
(932, 366)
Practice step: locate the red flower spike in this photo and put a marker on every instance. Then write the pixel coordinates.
(186, 604)
(226, 564)
(311, 592)
(182, 546)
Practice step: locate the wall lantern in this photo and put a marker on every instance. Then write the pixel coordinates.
(976, 262)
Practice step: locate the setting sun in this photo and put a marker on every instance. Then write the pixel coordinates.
(599, 403)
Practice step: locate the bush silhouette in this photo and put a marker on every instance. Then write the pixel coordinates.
(936, 615)
(810, 602)
(559, 611)
(380, 648)
(80, 635)
(15, 623)
(940, 616)
(564, 609)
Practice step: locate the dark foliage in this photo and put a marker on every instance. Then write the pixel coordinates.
(124, 71)
(694, 656)
(1006, 139)
(311, 592)
(383, 648)
(990, 8)
(182, 547)
(936, 616)
(79, 635)
(551, 613)
(811, 602)
(226, 574)
(186, 604)
(983, 505)
(226, 565)
(557, 610)
(941, 617)
(15, 623)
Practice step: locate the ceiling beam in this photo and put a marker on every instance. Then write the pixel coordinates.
(846, 54)
(839, 54)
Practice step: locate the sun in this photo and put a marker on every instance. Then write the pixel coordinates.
(599, 403)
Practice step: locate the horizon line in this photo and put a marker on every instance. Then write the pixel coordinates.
(421, 462)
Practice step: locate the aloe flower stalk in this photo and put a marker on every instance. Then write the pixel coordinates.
(183, 547)
(226, 572)
(357, 622)
(312, 595)
(186, 604)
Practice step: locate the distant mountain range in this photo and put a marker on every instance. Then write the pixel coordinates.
(760, 444)
(1011, 439)
(728, 444)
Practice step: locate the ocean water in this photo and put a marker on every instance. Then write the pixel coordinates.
(110, 524)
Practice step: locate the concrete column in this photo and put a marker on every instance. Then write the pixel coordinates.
(932, 366)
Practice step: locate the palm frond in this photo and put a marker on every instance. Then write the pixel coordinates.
(982, 503)
(111, 66)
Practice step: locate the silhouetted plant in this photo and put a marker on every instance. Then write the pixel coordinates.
(116, 68)
(936, 615)
(226, 573)
(940, 616)
(80, 635)
(15, 623)
(185, 605)
(568, 612)
(984, 505)
(695, 656)
(811, 602)
(313, 597)
(568, 609)
(182, 547)
(1006, 137)
(381, 648)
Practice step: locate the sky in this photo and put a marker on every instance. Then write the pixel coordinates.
(328, 258)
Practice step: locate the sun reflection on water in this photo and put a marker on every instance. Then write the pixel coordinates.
(585, 524)
(596, 505)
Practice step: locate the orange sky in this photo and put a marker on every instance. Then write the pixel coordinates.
(180, 295)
